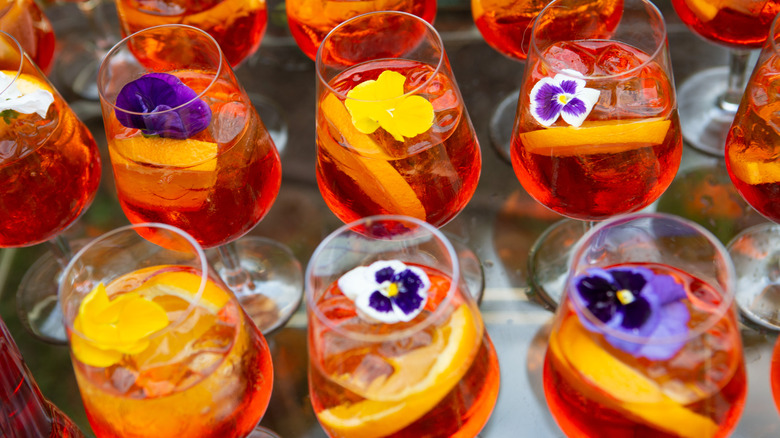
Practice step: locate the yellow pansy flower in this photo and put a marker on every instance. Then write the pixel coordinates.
(381, 103)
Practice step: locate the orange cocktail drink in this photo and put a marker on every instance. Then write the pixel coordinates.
(26, 22)
(414, 358)
(393, 134)
(160, 346)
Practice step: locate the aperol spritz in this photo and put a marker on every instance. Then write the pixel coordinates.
(422, 160)
(414, 358)
(160, 346)
(26, 22)
(237, 25)
(646, 341)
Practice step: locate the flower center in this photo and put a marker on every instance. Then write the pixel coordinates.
(392, 290)
(625, 296)
(564, 99)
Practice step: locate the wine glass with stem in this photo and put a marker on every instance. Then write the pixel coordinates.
(238, 27)
(414, 359)
(752, 164)
(597, 132)
(49, 175)
(392, 131)
(188, 149)
(311, 20)
(709, 99)
(160, 346)
(646, 341)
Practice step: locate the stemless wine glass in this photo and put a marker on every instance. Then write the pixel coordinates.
(311, 20)
(393, 134)
(26, 22)
(709, 99)
(752, 164)
(188, 149)
(49, 174)
(597, 131)
(646, 341)
(397, 346)
(160, 346)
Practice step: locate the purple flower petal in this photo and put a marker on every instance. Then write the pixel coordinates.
(172, 109)
(384, 274)
(409, 303)
(545, 103)
(570, 86)
(673, 323)
(636, 313)
(380, 303)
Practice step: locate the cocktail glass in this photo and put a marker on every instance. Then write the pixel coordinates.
(188, 149)
(646, 341)
(311, 20)
(26, 22)
(597, 132)
(49, 174)
(397, 346)
(709, 99)
(160, 346)
(393, 134)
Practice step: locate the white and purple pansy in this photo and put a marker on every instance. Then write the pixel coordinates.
(387, 291)
(564, 95)
(636, 302)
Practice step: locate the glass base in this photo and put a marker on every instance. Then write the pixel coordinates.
(705, 124)
(501, 124)
(470, 268)
(548, 264)
(273, 119)
(36, 299)
(756, 256)
(275, 287)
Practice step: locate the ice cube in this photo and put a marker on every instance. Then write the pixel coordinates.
(640, 97)
(123, 379)
(229, 121)
(571, 56)
(614, 59)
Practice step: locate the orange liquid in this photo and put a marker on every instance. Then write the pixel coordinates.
(25, 21)
(751, 156)
(774, 376)
(311, 20)
(587, 181)
(741, 24)
(706, 379)
(461, 413)
(441, 166)
(217, 205)
(49, 174)
(237, 25)
(506, 24)
(213, 384)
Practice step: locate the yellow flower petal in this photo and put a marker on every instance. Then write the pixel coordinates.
(94, 302)
(110, 314)
(365, 125)
(86, 353)
(139, 319)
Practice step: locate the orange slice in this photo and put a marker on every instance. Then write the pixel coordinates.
(705, 10)
(754, 166)
(598, 137)
(369, 167)
(27, 83)
(194, 155)
(633, 392)
(184, 285)
(408, 394)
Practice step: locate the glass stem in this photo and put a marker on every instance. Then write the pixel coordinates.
(737, 80)
(97, 22)
(60, 249)
(236, 277)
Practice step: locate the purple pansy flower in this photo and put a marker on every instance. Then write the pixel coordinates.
(387, 291)
(171, 108)
(637, 302)
(564, 95)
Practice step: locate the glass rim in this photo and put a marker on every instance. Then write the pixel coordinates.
(22, 55)
(432, 30)
(199, 252)
(455, 280)
(774, 30)
(727, 291)
(123, 43)
(533, 46)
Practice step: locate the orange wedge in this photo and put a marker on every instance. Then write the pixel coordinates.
(601, 137)
(705, 10)
(369, 166)
(409, 393)
(754, 166)
(191, 154)
(27, 83)
(629, 390)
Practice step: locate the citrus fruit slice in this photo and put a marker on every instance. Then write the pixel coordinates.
(194, 155)
(407, 395)
(602, 137)
(630, 390)
(370, 167)
(754, 166)
(705, 10)
(183, 285)
(27, 83)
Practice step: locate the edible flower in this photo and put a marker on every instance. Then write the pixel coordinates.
(387, 291)
(113, 328)
(564, 95)
(168, 108)
(637, 302)
(381, 103)
(15, 101)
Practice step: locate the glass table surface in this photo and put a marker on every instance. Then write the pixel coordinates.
(500, 223)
